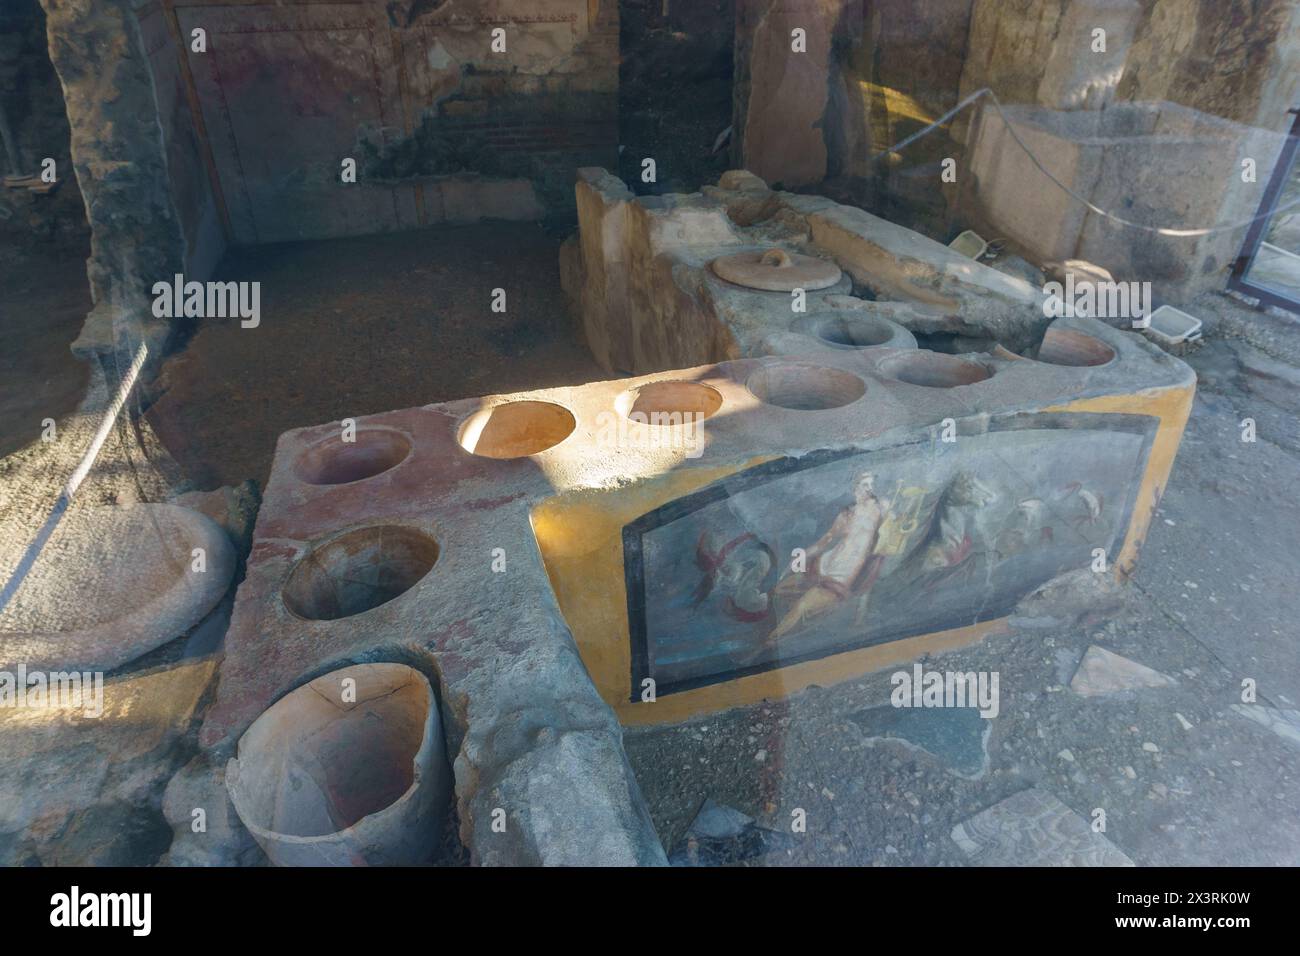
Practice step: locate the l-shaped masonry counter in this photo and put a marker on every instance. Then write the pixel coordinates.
(646, 549)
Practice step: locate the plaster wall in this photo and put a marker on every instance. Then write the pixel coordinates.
(194, 193)
(442, 127)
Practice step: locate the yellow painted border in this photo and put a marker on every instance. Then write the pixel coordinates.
(1172, 406)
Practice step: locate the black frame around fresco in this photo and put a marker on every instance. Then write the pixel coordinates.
(1239, 280)
(633, 558)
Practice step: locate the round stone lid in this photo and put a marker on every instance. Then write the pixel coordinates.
(113, 583)
(776, 270)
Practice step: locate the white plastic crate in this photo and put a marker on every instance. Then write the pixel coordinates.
(1170, 326)
(969, 244)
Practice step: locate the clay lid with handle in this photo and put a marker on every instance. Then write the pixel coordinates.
(776, 270)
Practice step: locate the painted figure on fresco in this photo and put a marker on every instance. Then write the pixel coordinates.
(913, 540)
(841, 564)
(846, 563)
(741, 572)
(964, 533)
(806, 559)
(1029, 524)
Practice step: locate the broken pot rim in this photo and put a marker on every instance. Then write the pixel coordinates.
(1067, 332)
(887, 368)
(427, 742)
(810, 324)
(779, 363)
(624, 400)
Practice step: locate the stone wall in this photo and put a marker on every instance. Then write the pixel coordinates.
(1236, 60)
(675, 91)
(1194, 88)
(1233, 60)
(904, 73)
(1156, 164)
(869, 68)
(789, 101)
(194, 191)
(547, 104)
(443, 126)
(877, 71)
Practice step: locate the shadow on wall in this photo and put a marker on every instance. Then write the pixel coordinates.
(675, 92)
(517, 154)
(32, 102)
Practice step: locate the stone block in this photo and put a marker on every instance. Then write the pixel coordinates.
(508, 673)
(1160, 165)
(650, 296)
(1084, 67)
(789, 492)
(779, 119)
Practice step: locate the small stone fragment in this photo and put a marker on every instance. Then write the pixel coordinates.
(1105, 672)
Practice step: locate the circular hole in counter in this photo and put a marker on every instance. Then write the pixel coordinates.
(854, 332)
(358, 571)
(669, 402)
(336, 462)
(935, 370)
(805, 387)
(516, 429)
(950, 343)
(1067, 347)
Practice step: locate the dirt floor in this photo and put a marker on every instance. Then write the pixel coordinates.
(356, 326)
(43, 303)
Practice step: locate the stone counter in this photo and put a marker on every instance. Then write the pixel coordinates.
(559, 560)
